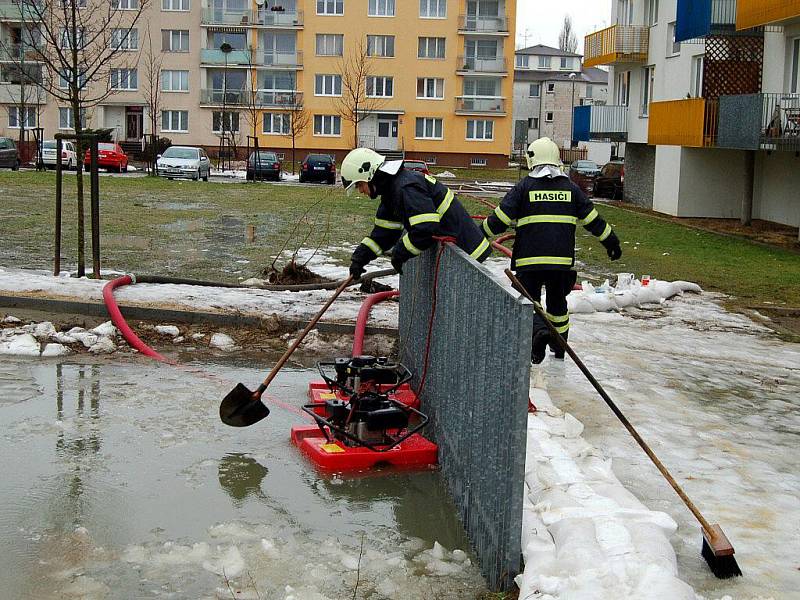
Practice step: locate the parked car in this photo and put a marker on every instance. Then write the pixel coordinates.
(318, 167)
(9, 157)
(109, 156)
(265, 165)
(611, 180)
(416, 165)
(183, 162)
(69, 157)
(583, 174)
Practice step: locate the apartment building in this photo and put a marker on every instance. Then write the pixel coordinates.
(706, 100)
(548, 83)
(441, 91)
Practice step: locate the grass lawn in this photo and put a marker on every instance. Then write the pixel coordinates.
(198, 230)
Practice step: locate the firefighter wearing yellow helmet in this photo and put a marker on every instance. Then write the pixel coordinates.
(545, 207)
(413, 209)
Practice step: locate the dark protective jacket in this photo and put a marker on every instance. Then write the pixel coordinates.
(545, 211)
(414, 208)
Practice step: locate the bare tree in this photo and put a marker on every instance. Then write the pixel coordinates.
(299, 120)
(355, 105)
(79, 42)
(567, 41)
(151, 87)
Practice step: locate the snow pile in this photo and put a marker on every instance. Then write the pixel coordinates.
(445, 175)
(170, 330)
(42, 339)
(584, 535)
(233, 174)
(223, 342)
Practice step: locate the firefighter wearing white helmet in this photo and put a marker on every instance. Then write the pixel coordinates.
(413, 209)
(545, 207)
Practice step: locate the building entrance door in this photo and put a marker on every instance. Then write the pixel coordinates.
(134, 123)
(387, 133)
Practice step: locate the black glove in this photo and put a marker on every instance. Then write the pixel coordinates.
(613, 249)
(356, 270)
(397, 263)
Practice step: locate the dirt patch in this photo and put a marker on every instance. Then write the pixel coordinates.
(292, 274)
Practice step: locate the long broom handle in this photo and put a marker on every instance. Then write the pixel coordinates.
(301, 337)
(659, 465)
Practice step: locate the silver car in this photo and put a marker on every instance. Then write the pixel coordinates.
(187, 162)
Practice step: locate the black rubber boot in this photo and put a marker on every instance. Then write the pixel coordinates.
(558, 351)
(539, 348)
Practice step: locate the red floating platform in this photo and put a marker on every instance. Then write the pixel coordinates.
(414, 453)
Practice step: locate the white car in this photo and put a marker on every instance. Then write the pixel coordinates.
(184, 161)
(69, 157)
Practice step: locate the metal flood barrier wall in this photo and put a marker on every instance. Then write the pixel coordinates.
(476, 393)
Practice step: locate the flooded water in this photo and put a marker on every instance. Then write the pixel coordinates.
(119, 481)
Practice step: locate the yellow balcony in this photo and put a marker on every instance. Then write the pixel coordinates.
(691, 123)
(754, 13)
(618, 44)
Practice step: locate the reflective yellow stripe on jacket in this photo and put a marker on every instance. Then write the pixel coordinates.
(388, 224)
(544, 260)
(410, 246)
(569, 220)
(424, 218)
(372, 245)
(480, 249)
(448, 200)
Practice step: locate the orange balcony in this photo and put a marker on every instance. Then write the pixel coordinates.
(754, 13)
(616, 45)
(691, 123)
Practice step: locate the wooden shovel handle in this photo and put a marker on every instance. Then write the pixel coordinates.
(279, 365)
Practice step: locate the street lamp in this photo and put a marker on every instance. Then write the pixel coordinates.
(572, 77)
(226, 49)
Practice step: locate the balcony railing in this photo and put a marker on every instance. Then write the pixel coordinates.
(482, 65)
(211, 56)
(691, 123)
(472, 104)
(699, 18)
(618, 44)
(252, 18)
(482, 24)
(14, 52)
(279, 99)
(229, 97)
(287, 60)
(754, 13)
(760, 121)
(12, 11)
(600, 122)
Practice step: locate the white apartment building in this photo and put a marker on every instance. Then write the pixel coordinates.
(548, 83)
(705, 102)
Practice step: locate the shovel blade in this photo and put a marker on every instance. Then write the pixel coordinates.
(241, 408)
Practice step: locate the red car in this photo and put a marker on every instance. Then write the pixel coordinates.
(416, 165)
(109, 156)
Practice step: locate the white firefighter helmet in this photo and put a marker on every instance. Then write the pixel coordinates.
(360, 165)
(543, 152)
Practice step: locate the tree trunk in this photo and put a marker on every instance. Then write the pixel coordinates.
(293, 156)
(78, 126)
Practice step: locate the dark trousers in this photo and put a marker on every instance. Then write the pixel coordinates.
(557, 284)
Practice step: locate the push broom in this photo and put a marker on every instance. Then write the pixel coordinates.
(717, 550)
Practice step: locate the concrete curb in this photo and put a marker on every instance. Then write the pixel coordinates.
(140, 313)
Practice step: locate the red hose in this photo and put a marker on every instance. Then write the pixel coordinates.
(119, 320)
(363, 317)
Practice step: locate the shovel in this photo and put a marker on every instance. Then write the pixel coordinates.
(241, 407)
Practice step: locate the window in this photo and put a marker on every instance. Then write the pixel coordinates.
(625, 12)
(276, 124)
(66, 39)
(481, 86)
(380, 45)
(231, 121)
(330, 7)
(430, 47)
(589, 93)
(66, 120)
(544, 62)
(535, 90)
(566, 62)
(697, 76)
(673, 46)
(478, 161)
(648, 77)
(237, 39)
(328, 85)
(175, 120)
(124, 79)
(175, 40)
(381, 8)
(174, 81)
(330, 44)
(551, 88)
(125, 4)
(327, 125)
(380, 87)
(65, 78)
(795, 84)
(478, 129)
(180, 5)
(281, 81)
(623, 88)
(651, 12)
(125, 39)
(548, 117)
(429, 128)
(481, 49)
(14, 113)
(433, 9)
(430, 88)
(522, 61)
(533, 123)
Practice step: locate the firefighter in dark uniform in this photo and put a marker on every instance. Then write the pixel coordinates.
(544, 208)
(413, 208)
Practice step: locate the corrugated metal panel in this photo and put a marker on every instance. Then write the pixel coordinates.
(476, 393)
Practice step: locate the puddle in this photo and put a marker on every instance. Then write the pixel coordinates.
(120, 482)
